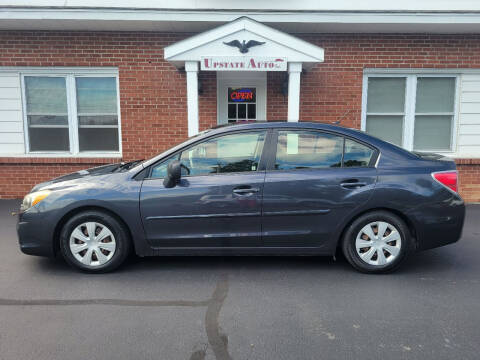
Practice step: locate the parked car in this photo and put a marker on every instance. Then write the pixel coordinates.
(251, 189)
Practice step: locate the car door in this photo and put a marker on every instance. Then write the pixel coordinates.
(218, 200)
(313, 182)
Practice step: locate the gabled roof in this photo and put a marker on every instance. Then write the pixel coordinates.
(211, 43)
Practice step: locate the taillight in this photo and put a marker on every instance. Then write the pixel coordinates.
(449, 179)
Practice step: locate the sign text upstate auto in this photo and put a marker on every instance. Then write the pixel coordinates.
(242, 63)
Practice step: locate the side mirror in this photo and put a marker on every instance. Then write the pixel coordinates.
(174, 173)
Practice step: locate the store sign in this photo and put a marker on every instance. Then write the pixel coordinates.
(241, 95)
(242, 63)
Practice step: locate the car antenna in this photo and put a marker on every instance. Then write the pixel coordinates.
(337, 122)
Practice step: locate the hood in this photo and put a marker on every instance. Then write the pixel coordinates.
(85, 175)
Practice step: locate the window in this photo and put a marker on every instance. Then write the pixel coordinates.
(414, 111)
(308, 150)
(160, 170)
(229, 153)
(97, 114)
(47, 113)
(71, 113)
(356, 154)
(242, 104)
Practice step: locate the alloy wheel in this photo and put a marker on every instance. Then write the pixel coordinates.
(92, 244)
(378, 243)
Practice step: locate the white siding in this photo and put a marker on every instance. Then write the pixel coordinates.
(11, 120)
(468, 143)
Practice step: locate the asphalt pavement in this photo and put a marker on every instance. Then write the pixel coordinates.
(241, 307)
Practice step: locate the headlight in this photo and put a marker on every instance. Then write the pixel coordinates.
(33, 199)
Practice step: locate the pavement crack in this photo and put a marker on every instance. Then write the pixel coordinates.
(218, 340)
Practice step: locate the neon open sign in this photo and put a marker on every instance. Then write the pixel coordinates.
(244, 95)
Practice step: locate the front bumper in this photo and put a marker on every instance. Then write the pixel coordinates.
(35, 234)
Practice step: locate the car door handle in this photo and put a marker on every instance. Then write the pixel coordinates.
(352, 184)
(245, 191)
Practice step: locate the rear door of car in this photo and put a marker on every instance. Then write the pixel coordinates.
(314, 180)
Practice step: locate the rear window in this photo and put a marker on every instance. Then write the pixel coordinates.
(356, 154)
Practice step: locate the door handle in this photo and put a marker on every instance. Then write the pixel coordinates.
(352, 184)
(245, 191)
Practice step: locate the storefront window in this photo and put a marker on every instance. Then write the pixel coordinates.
(414, 111)
(242, 104)
(71, 113)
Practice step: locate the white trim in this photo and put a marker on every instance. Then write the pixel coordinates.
(226, 79)
(182, 51)
(191, 68)
(69, 74)
(63, 155)
(411, 76)
(439, 16)
(61, 70)
(401, 72)
(294, 73)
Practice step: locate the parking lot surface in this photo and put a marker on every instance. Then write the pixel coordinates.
(241, 307)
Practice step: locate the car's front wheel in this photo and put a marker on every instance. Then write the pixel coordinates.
(377, 242)
(94, 241)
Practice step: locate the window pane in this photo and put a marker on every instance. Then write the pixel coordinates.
(98, 139)
(242, 111)
(47, 113)
(96, 95)
(229, 153)
(98, 120)
(386, 95)
(435, 94)
(160, 170)
(48, 120)
(232, 111)
(49, 139)
(356, 154)
(388, 128)
(252, 111)
(432, 133)
(308, 149)
(46, 95)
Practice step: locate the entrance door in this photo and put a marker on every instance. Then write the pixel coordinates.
(241, 96)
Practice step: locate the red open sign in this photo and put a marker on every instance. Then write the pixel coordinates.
(244, 95)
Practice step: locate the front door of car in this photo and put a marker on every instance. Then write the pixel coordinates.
(315, 180)
(218, 200)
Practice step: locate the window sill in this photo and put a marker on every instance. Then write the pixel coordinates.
(63, 155)
(58, 159)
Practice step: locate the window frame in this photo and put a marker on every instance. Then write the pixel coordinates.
(70, 74)
(261, 163)
(274, 143)
(411, 76)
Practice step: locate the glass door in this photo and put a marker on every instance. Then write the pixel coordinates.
(242, 104)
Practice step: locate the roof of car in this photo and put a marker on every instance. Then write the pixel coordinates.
(354, 133)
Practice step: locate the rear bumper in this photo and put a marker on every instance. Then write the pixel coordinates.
(438, 224)
(35, 235)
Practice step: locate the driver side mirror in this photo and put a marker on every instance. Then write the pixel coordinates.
(174, 173)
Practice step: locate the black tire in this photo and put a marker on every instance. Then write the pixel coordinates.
(119, 231)
(349, 239)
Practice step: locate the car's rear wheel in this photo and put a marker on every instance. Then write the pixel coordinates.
(94, 241)
(377, 242)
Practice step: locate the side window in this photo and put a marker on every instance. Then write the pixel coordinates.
(356, 154)
(308, 150)
(160, 170)
(230, 153)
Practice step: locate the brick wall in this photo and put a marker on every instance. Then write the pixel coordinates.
(153, 92)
